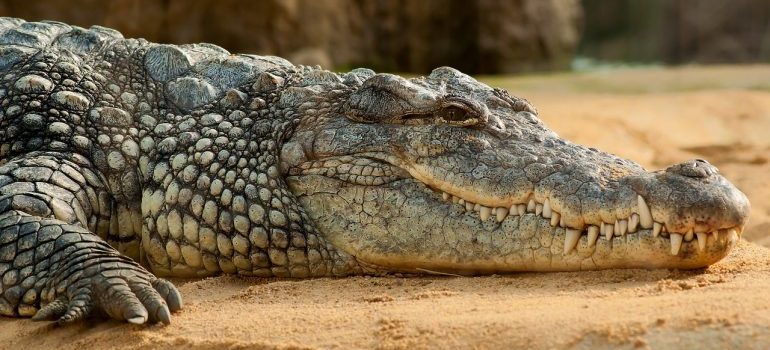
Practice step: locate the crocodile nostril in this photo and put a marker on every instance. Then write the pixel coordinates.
(699, 161)
(697, 168)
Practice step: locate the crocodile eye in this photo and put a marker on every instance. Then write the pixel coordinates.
(456, 116)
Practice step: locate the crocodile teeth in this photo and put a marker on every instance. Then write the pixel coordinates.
(715, 234)
(702, 236)
(501, 213)
(484, 212)
(477, 207)
(455, 199)
(593, 235)
(608, 230)
(547, 213)
(555, 217)
(676, 243)
(461, 201)
(531, 206)
(445, 195)
(645, 216)
(689, 236)
(656, 229)
(571, 240)
(538, 209)
(633, 223)
(616, 229)
(468, 206)
(733, 236)
(521, 208)
(623, 226)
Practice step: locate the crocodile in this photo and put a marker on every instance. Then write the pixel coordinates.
(124, 161)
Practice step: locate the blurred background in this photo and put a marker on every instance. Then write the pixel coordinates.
(478, 37)
(656, 81)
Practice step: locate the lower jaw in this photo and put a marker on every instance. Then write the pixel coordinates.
(639, 250)
(543, 252)
(447, 239)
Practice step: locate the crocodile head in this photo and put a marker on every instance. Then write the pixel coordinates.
(447, 174)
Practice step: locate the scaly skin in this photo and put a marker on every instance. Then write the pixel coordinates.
(195, 162)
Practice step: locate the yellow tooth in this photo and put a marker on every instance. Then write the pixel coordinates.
(522, 209)
(688, 236)
(477, 207)
(702, 236)
(608, 230)
(547, 213)
(555, 217)
(468, 206)
(538, 209)
(445, 195)
(616, 229)
(571, 240)
(623, 226)
(656, 229)
(676, 243)
(484, 212)
(531, 206)
(633, 223)
(732, 232)
(455, 199)
(715, 234)
(593, 235)
(501, 213)
(461, 201)
(645, 216)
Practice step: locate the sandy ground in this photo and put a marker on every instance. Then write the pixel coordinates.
(653, 116)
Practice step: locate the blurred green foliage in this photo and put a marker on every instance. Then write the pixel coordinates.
(676, 31)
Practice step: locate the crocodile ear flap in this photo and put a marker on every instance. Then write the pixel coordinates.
(388, 98)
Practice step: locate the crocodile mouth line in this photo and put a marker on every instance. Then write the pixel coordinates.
(376, 169)
(635, 224)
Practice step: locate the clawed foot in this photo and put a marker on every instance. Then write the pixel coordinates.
(129, 293)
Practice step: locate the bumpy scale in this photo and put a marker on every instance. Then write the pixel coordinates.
(119, 157)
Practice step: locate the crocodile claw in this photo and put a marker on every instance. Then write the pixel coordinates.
(131, 295)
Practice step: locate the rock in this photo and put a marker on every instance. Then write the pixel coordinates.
(485, 36)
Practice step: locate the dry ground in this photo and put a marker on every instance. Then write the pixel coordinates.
(653, 116)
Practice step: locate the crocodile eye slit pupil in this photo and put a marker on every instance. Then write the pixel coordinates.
(450, 115)
(455, 116)
(413, 116)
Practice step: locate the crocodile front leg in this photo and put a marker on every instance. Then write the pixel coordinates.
(53, 266)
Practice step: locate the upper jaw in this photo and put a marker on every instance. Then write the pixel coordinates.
(608, 197)
(690, 198)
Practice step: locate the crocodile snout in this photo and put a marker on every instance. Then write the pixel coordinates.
(693, 197)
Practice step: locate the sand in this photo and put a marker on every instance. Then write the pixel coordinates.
(653, 116)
